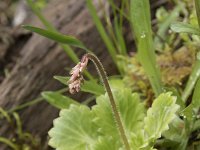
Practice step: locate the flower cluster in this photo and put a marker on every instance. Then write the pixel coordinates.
(76, 75)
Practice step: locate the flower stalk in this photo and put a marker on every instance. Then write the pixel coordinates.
(76, 79)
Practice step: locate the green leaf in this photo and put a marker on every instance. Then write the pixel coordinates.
(92, 87)
(196, 95)
(158, 118)
(140, 18)
(74, 129)
(196, 125)
(120, 39)
(181, 27)
(175, 130)
(176, 93)
(165, 25)
(130, 109)
(191, 110)
(188, 113)
(116, 84)
(121, 11)
(107, 143)
(192, 79)
(56, 36)
(162, 112)
(62, 79)
(138, 141)
(141, 24)
(58, 100)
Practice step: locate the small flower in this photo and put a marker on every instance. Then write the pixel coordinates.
(76, 75)
(75, 86)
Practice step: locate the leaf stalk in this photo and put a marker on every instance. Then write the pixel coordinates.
(103, 75)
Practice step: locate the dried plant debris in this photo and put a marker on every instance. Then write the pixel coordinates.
(175, 68)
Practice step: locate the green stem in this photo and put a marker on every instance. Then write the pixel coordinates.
(192, 79)
(197, 6)
(32, 102)
(116, 114)
(9, 143)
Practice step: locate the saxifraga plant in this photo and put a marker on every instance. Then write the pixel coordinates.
(77, 78)
(117, 124)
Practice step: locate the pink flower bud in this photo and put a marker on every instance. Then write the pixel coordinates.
(76, 75)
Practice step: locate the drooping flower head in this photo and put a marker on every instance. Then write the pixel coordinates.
(76, 75)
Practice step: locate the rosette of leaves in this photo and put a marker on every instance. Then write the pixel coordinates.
(84, 128)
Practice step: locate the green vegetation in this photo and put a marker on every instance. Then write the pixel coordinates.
(154, 101)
